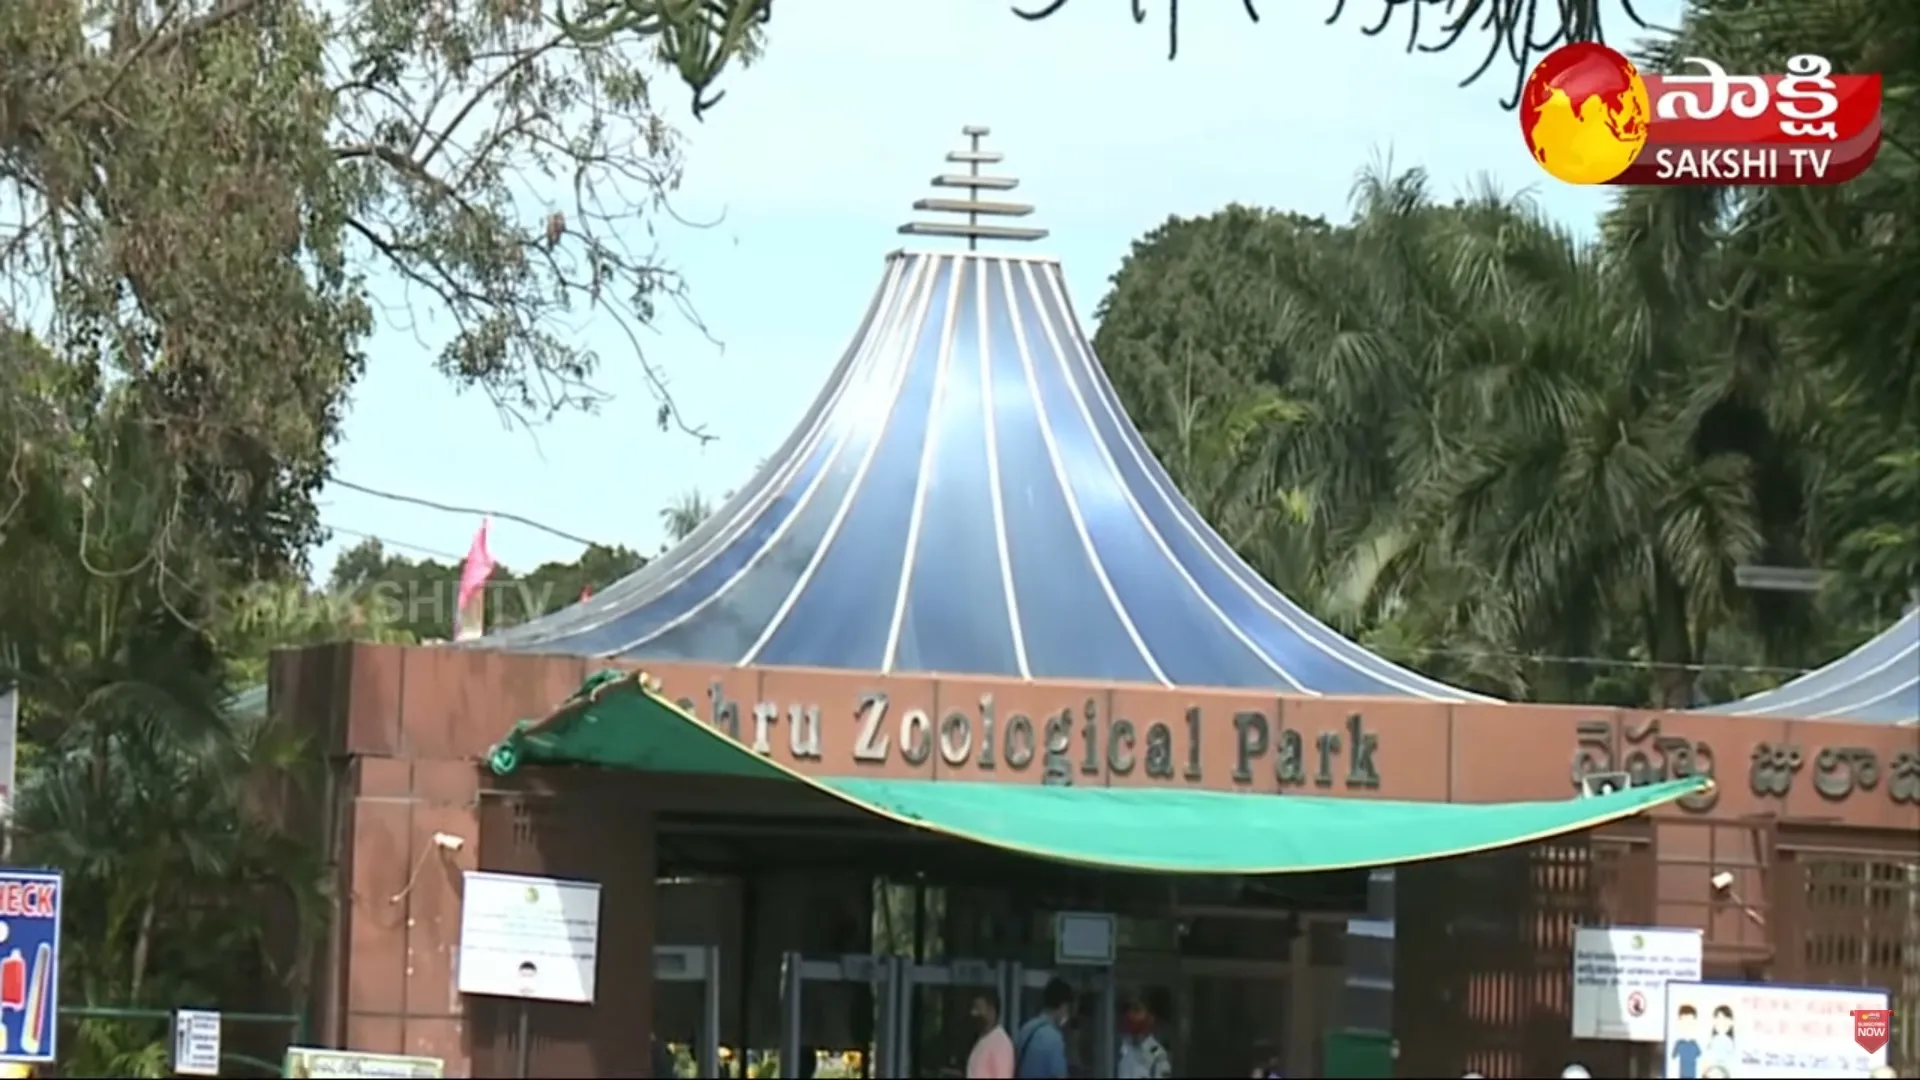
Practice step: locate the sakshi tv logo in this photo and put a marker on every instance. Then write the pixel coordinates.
(1590, 117)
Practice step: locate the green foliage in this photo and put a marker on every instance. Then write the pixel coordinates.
(683, 515)
(698, 38)
(375, 594)
(1505, 39)
(1509, 445)
(182, 880)
(507, 172)
(210, 202)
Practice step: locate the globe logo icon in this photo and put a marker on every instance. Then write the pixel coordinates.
(1584, 112)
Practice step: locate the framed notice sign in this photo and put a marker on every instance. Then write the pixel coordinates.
(1765, 1031)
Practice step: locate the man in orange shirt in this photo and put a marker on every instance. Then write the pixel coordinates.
(992, 1057)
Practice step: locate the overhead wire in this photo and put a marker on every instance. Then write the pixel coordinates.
(1413, 653)
(1402, 654)
(387, 541)
(470, 511)
(1391, 652)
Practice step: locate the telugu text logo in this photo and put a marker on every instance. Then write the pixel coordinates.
(1590, 117)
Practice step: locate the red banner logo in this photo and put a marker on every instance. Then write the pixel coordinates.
(1590, 117)
(1870, 1028)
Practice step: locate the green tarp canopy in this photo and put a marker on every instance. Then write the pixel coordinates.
(618, 722)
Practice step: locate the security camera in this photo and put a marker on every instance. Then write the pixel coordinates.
(1722, 882)
(446, 841)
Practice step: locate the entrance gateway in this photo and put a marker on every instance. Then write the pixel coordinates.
(679, 969)
(897, 980)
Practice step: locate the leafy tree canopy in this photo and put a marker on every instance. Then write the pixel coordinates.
(1506, 36)
(209, 205)
(377, 594)
(1488, 446)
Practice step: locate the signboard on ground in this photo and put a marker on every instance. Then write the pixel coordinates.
(29, 964)
(1765, 1031)
(196, 1042)
(313, 1063)
(536, 938)
(1620, 977)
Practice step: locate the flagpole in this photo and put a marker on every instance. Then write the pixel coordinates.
(473, 588)
(9, 758)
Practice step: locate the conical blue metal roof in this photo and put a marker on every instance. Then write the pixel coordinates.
(1878, 683)
(967, 497)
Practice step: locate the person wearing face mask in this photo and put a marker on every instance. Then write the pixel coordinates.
(1142, 1057)
(992, 1056)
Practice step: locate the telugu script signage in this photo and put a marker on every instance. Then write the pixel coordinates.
(1838, 771)
(1589, 115)
(1620, 977)
(1642, 751)
(1805, 125)
(1066, 743)
(1762, 1029)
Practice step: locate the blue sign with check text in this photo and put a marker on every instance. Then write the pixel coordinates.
(29, 964)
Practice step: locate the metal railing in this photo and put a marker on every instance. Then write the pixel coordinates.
(253, 1065)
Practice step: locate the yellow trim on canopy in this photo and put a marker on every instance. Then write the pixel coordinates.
(623, 722)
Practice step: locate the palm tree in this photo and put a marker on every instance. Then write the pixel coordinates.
(684, 514)
(1830, 271)
(158, 802)
(1561, 451)
(1508, 442)
(178, 866)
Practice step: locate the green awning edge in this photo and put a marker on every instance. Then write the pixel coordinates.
(620, 720)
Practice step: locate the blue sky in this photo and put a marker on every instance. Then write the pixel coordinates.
(811, 164)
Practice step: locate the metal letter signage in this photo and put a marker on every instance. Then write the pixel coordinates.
(1644, 754)
(1289, 751)
(1068, 744)
(1838, 772)
(1903, 779)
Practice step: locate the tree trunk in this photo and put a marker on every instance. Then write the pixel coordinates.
(142, 945)
(1670, 642)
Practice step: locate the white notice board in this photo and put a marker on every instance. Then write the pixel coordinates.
(1620, 977)
(1085, 937)
(529, 937)
(196, 1042)
(316, 1063)
(1765, 1031)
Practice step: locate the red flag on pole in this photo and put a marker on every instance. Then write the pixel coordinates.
(473, 579)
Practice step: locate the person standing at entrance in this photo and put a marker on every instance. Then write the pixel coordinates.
(992, 1056)
(1040, 1050)
(1142, 1057)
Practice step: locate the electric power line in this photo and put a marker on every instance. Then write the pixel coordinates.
(446, 508)
(420, 549)
(1404, 654)
(1587, 661)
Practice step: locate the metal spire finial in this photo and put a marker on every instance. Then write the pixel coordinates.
(974, 183)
